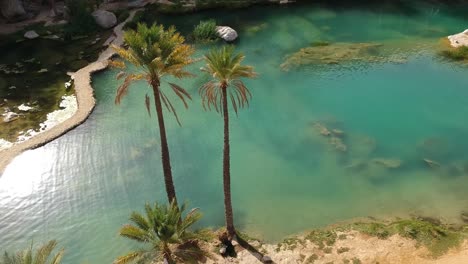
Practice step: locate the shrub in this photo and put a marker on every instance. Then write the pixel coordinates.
(205, 31)
(81, 20)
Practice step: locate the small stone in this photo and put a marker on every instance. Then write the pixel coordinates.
(42, 71)
(223, 250)
(267, 259)
(31, 34)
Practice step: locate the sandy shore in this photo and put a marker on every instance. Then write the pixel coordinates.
(84, 96)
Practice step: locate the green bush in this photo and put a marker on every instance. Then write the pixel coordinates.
(81, 20)
(457, 54)
(205, 31)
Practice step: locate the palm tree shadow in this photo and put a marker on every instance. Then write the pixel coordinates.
(257, 254)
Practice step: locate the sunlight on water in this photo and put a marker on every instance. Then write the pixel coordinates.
(287, 176)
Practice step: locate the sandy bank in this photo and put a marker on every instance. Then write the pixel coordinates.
(84, 96)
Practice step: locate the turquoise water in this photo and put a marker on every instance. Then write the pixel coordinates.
(286, 176)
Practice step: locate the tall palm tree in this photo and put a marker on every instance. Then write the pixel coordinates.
(225, 68)
(43, 255)
(156, 53)
(167, 234)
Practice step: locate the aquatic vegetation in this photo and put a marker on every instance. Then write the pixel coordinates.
(205, 31)
(437, 237)
(336, 53)
(225, 68)
(166, 233)
(322, 238)
(156, 52)
(42, 255)
(456, 54)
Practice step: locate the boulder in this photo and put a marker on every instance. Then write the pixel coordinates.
(104, 19)
(226, 33)
(12, 9)
(31, 34)
(460, 39)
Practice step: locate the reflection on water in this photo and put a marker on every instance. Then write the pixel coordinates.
(287, 174)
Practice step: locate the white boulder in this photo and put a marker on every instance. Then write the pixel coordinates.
(460, 39)
(31, 34)
(104, 19)
(226, 33)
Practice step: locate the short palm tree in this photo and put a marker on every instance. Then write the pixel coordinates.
(164, 229)
(157, 53)
(43, 255)
(226, 71)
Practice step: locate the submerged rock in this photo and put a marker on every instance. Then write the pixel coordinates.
(31, 34)
(338, 144)
(464, 216)
(388, 163)
(458, 40)
(9, 117)
(226, 33)
(332, 54)
(104, 19)
(321, 129)
(432, 164)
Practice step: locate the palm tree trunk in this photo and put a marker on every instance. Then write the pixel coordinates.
(226, 169)
(165, 157)
(167, 255)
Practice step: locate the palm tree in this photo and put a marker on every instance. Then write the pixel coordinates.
(41, 256)
(226, 71)
(157, 53)
(165, 231)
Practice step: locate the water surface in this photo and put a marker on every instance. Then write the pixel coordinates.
(286, 176)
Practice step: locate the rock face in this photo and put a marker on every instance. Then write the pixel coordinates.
(459, 40)
(104, 19)
(226, 33)
(31, 34)
(12, 9)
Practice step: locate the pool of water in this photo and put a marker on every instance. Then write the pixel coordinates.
(287, 177)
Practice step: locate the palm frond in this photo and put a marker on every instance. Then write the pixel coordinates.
(224, 67)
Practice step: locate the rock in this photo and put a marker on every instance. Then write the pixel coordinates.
(458, 40)
(31, 34)
(322, 129)
(330, 54)
(9, 117)
(104, 19)
(68, 84)
(338, 144)
(337, 132)
(222, 249)
(42, 71)
(464, 217)
(25, 108)
(388, 163)
(267, 259)
(12, 9)
(226, 33)
(431, 163)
